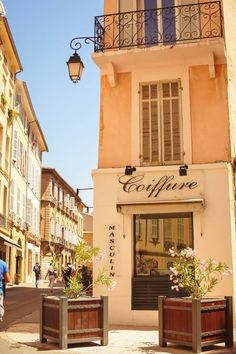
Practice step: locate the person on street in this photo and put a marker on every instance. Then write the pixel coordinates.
(4, 276)
(67, 273)
(51, 274)
(37, 272)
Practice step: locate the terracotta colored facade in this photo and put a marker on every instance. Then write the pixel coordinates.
(166, 160)
(61, 220)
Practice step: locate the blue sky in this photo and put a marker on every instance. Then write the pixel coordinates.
(68, 113)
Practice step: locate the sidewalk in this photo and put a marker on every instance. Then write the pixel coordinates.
(23, 337)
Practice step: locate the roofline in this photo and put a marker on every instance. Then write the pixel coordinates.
(34, 114)
(12, 42)
(54, 171)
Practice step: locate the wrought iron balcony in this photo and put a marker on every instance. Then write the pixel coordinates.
(162, 26)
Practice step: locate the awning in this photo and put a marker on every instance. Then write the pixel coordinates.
(9, 241)
(160, 206)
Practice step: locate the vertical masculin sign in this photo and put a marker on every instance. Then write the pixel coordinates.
(112, 236)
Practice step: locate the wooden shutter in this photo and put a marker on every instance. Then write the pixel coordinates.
(12, 196)
(15, 146)
(150, 123)
(28, 216)
(18, 202)
(171, 122)
(24, 207)
(52, 226)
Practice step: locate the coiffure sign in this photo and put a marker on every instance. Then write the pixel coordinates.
(155, 187)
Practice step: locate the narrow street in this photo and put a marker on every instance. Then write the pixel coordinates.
(22, 301)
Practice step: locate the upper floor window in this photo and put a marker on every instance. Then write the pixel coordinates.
(161, 123)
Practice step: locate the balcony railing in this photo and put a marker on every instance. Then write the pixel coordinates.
(162, 26)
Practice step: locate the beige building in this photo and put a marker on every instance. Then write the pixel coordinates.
(61, 220)
(88, 228)
(28, 144)
(166, 156)
(10, 65)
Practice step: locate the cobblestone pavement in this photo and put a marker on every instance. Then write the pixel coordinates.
(19, 333)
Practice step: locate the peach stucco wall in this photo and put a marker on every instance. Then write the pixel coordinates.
(115, 122)
(209, 115)
(110, 6)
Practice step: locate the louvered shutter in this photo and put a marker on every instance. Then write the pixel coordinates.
(171, 122)
(12, 196)
(15, 146)
(28, 216)
(24, 207)
(145, 124)
(18, 202)
(52, 226)
(150, 124)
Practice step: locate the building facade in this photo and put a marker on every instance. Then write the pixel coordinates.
(28, 144)
(21, 146)
(166, 156)
(10, 65)
(61, 220)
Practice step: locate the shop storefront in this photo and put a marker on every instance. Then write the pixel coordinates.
(138, 217)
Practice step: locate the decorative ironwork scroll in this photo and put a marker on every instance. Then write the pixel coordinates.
(166, 26)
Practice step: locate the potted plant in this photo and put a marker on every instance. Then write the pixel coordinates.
(3, 102)
(77, 317)
(195, 321)
(12, 114)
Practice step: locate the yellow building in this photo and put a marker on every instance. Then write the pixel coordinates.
(9, 66)
(61, 220)
(28, 144)
(166, 156)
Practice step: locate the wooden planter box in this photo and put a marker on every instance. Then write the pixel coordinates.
(195, 323)
(67, 321)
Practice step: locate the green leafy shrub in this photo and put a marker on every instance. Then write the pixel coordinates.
(196, 277)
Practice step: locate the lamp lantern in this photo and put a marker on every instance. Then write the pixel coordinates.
(75, 67)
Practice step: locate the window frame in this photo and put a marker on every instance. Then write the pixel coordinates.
(158, 216)
(160, 123)
(146, 288)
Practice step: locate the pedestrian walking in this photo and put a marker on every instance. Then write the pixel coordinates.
(67, 273)
(51, 274)
(4, 276)
(37, 272)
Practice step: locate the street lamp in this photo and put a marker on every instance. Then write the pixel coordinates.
(75, 67)
(75, 64)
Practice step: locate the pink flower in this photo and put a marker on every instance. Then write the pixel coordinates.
(112, 286)
(174, 271)
(101, 255)
(190, 253)
(175, 287)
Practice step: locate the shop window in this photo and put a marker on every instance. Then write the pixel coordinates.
(161, 123)
(154, 234)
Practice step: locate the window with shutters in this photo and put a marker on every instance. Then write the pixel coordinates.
(12, 196)
(161, 123)
(15, 146)
(29, 211)
(18, 206)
